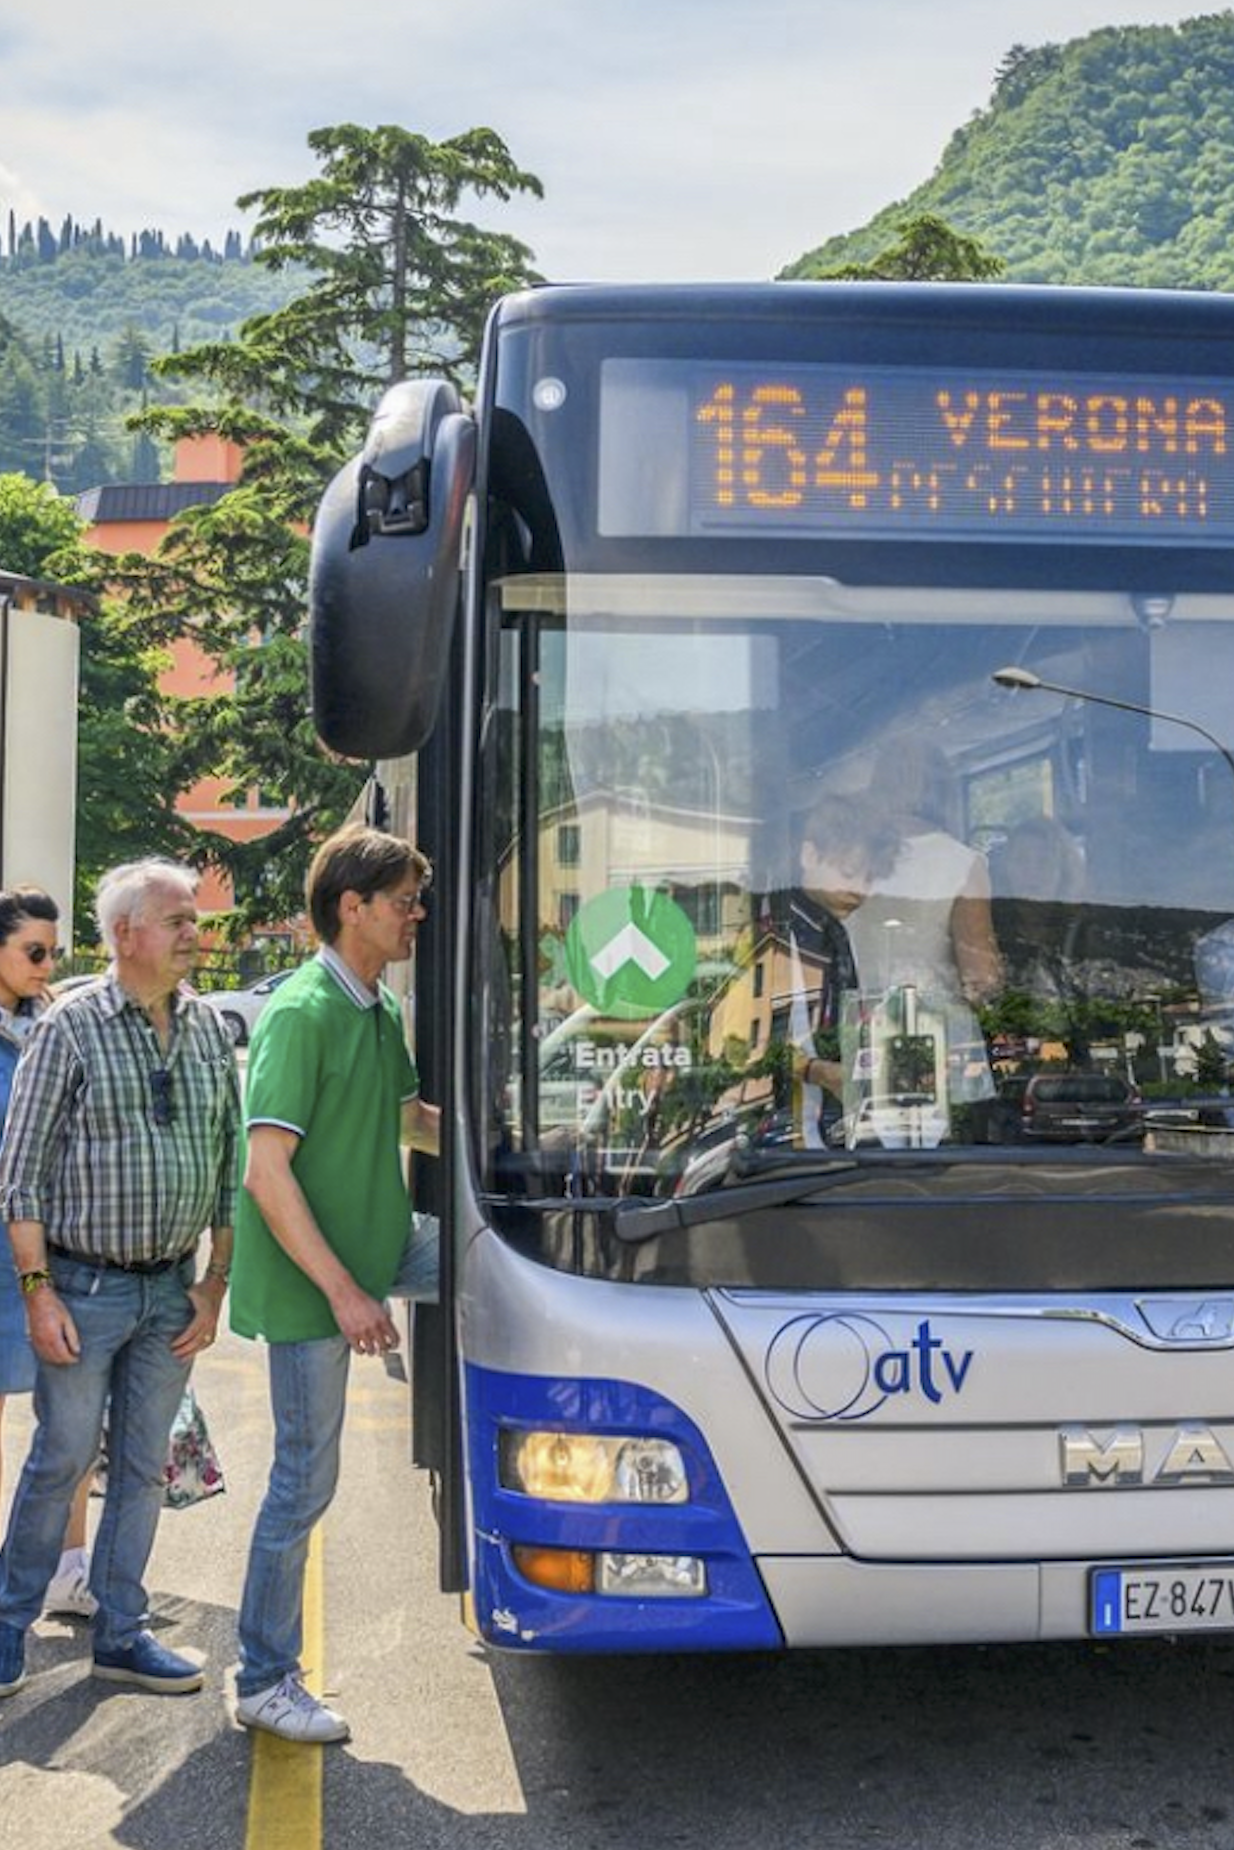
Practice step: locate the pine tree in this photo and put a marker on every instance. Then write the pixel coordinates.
(378, 226)
(22, 413)
(132, 361)
(926, 250)
(393, 272)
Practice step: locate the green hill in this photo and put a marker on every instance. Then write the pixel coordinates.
(81, 317)
(1109, 159)
(88, 300)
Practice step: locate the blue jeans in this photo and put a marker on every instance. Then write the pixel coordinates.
(419, 1269)
(308, 1394)
(125, 1323)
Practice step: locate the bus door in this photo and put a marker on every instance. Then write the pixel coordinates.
(384, 593)
(435, 1433)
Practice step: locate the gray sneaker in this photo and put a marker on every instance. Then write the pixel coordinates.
(289, 1710)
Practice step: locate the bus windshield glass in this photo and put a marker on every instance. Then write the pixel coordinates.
(806, 875)
(858, 732)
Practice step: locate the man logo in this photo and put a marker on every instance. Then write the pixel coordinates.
(1211, 1320)
(1191, 1454)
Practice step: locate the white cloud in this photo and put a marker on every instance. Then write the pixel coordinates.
(674, 137)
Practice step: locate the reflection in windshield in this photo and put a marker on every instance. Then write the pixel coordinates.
(806, 878)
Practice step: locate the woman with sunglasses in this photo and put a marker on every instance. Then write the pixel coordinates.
(28, 952)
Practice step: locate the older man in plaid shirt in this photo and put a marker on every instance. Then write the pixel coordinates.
(120, 1150)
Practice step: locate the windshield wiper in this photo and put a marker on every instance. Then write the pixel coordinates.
(635, 1221)
(635, 1218)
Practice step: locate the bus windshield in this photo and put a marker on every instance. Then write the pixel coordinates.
(794, 869)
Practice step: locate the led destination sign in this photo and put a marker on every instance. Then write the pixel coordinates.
(841, 451)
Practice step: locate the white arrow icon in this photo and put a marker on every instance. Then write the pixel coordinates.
(630, 946)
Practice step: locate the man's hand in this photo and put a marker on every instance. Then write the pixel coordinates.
(206, 1298)
(53, 1334)
(367, 1325)
(422, 1126)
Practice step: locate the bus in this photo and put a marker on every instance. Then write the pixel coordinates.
(818, 702)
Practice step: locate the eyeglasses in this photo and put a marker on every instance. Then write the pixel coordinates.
(408, 903)
(164, 1105)
(43, 953)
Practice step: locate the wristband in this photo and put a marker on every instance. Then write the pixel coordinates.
(31, 1282)
(218, 1271)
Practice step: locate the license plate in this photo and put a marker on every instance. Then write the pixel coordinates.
(1197, 1598)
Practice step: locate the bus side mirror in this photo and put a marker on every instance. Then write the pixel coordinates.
(384, 578)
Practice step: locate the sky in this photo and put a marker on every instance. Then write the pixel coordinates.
(675, 139)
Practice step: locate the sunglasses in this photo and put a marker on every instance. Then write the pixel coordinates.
(163, 1104)
(42, 953)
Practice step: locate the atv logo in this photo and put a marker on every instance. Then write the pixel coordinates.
(845, 1366)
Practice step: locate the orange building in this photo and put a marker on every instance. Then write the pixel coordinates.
(133, 517)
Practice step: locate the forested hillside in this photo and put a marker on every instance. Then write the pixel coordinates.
(82, 313)
(1109, 159)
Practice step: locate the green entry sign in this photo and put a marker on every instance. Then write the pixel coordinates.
(631, 952)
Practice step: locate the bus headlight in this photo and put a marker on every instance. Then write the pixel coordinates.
(572, 1467)
(651, 1576)
(619, 1576)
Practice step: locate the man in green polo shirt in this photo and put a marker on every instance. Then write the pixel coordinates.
(321, 1225)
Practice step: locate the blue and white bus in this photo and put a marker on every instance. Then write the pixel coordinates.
(818, 701)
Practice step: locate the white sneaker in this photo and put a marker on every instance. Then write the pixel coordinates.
(69, 1595)
(292, 1712)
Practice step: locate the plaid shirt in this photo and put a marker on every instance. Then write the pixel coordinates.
(89, 1154)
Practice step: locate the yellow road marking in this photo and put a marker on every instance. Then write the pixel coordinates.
(285, 1777)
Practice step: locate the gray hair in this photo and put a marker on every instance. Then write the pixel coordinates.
(122, 891)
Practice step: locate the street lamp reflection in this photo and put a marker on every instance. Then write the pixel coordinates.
(1023, 680)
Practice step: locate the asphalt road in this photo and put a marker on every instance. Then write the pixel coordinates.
(1062, 1748)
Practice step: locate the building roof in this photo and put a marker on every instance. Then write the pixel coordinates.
(153, 501)
(39, 593)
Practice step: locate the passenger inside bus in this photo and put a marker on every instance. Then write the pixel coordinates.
(1038, 859)
(846, 847)
(925, 947)
(928, 921)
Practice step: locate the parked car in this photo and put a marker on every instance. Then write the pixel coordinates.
(1080, 1108)
(239, 1008)
(1000, 1119)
